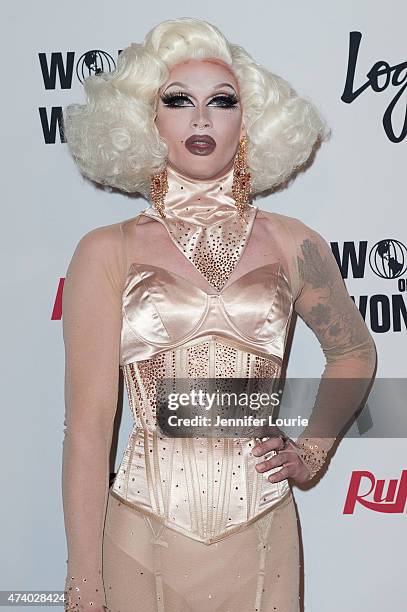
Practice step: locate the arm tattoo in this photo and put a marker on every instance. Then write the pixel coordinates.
(333, 317)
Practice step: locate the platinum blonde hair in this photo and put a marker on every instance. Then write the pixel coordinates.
(113, 137)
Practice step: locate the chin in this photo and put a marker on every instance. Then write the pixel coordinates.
(201, 169)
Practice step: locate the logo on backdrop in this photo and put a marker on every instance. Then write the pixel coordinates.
(58, 73)
(376, 494)
(387, 259)
(379, 77)
(94, 62)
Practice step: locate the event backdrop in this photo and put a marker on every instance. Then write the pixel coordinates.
(350, 58)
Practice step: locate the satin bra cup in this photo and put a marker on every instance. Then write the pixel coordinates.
(266, 317)
(159, 305)
(163, 309)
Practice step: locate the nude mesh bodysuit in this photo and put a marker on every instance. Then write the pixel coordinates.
(189, 523)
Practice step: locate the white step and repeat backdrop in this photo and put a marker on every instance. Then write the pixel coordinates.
(350, 58)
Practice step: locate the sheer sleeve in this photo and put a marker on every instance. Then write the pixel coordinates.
(324, 304)
(91, 317)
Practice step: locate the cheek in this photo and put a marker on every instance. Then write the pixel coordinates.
(227, 121)
(228, 128)
(170, 126)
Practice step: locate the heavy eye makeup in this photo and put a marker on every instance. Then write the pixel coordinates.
(179, 99)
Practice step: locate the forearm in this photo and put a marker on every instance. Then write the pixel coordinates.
(344, 386)
(85, 483)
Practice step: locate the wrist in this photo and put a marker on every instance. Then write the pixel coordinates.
(314, 452)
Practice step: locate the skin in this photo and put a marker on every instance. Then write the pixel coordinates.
(200, 112)
(325, 308)
(292, 466)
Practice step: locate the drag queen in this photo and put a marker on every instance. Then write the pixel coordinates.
(201, 284)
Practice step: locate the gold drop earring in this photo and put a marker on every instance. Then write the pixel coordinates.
(158, 191)
(241, 186)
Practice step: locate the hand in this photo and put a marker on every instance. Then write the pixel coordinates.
(75, 601)
(289, 457)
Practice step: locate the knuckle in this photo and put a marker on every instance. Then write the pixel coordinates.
(265, 465)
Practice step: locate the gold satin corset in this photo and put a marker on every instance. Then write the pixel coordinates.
(205, 488)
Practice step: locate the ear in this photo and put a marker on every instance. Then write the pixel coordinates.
(243, 131)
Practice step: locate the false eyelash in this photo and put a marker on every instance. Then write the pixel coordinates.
(169, 98)
(231, 99)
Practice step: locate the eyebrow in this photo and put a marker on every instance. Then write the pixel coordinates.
(186, 86)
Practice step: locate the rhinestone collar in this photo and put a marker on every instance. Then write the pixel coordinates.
(203, 222)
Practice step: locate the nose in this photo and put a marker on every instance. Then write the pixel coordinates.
(200, 120)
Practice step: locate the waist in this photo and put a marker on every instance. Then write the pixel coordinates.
(205, 488)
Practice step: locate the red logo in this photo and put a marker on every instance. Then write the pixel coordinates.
(57, 309)
(374, 494)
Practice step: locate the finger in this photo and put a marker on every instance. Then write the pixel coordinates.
(275, 461)
(264, 447)
(282, 474)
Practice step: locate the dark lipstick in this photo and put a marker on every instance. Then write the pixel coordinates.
(200, 144)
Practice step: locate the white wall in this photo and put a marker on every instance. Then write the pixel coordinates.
(355, 191)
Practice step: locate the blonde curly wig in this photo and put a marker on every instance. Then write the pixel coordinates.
(113, 137)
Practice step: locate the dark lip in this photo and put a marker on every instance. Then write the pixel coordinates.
(191, 141)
